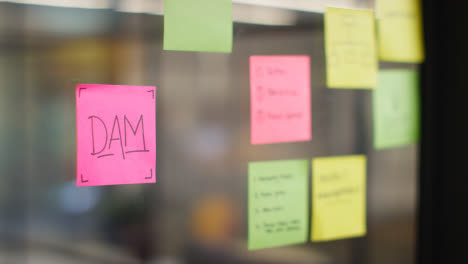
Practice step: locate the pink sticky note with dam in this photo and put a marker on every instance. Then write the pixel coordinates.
(280, 99)
(116, 134)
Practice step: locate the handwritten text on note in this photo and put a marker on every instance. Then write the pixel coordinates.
(116, 134)
(350, 48)
(400, 31)
(338, 197)
(278, 203)
(280, 99)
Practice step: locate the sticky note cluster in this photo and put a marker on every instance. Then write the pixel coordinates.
(350, 47)
(278, 194)
(116, 135)
(396, 108)
(400, 31)
(278, 203)
(280, 99)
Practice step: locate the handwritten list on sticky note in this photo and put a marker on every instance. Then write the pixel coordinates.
(338, 197)
(350, 49)
(278, 203)
(400, 31)
(201, 25)
(116, 134)
(280, 99)
(396, 108)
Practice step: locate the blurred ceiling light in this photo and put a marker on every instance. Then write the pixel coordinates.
(98, 4)
(318, 6)
(141, 6)
(266, 12)
(350, 4)
(263, 16)
(302, 5)
(156, 6)
(241, 13)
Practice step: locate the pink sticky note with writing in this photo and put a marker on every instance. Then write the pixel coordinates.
(116, 134)
(280, 99)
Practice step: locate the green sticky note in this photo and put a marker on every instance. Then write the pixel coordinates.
(396, 108)
(278, 203)
(350, 49)
(338, 197)
(201, 25)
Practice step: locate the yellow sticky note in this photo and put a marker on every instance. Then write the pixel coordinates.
(400, 31)
(338, 197)
(350, 49)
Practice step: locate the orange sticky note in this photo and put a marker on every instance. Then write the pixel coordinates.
(280, 99)
(116, 134)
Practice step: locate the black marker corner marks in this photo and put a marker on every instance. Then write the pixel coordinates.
(82, 180)
(79, 91)
(152, 93)
(151, 173)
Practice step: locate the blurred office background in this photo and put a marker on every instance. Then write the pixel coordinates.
(197, 210)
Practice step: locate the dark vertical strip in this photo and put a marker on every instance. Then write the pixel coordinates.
(443, 229)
